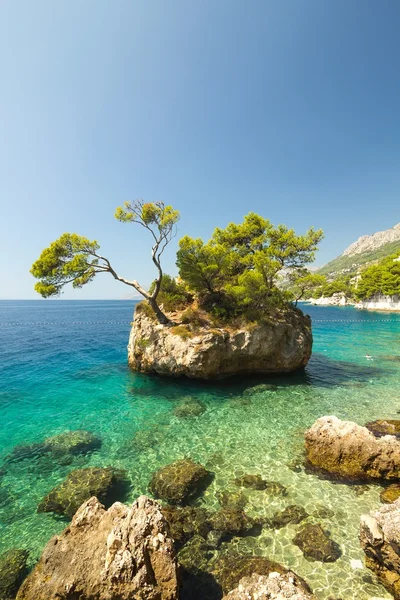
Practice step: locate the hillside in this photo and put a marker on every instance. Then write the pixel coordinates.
(367, 249)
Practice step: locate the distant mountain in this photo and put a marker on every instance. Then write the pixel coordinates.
(367, 249)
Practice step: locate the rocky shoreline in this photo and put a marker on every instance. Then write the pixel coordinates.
(376, 303)
(173, 548)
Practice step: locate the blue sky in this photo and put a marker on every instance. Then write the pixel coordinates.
(288, 108)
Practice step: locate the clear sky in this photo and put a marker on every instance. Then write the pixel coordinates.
(290, 108)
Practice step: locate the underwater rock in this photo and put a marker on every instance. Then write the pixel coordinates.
(23, 452)
(82, 484)
(348, 450)
(189, 408)
(359, 490)
(235, 500)
(13, 571)
(292, 514)
(380, 540)
(390, 494)
(186, 522)
(323, 512)
(195, 555)
(280, 345)
(275, 586)
(72, 442)
(260, 389)
(179, 480)
(254, 482)
(118, 554)
(316, 544)
(231, 521)
(230, 568)
(383, 427)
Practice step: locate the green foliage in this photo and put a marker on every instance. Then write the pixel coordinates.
(383, 278)
(303, 284)
(194, 317)
(236, 271)
(70, 259)
(148, 214)
(182, 331)
(172, 295)
(353, 263)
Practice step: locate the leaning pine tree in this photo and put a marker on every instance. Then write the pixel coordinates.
(75, 259)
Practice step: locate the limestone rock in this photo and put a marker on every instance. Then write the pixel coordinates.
(281, 345)
(229, 569)
(390, 494)
(72, 442)
(12, 572)
(275, 586)
(384, 427)
(118, 554)
(293, 514)
(188, 408)
(316, 544)
(380, 540)
(254, 482)
(82, 484)
(186, 522)
(177, 481)
(348, 450)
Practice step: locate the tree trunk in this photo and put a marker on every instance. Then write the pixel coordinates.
(161, 317)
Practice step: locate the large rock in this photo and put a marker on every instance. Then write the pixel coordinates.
(80, 485)
(348, 450)
(274, 587)
(177, 481)
(316, 544)
(118, 554)
(380, 540)
(279, 345)
(13, 570)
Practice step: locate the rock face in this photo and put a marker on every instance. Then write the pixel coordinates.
(380, 302)
(274, 587)
(334, 300)
(368, 243)
(176, 482)
(390, 494)
(82, 484)
(380, 540)
(119, 554)
(12, 572)
(279, 346)
(348, 450)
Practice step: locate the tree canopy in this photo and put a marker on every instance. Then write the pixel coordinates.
(382, 278)
(75, 259)
(237, 269)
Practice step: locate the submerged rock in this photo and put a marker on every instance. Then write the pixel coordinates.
(323, 512)
(231, 521)
(82, 484)
(186, 522)
(189, 408)
(195, 555)
(380, 540)
(230, 568)
(348, 450)
(316, 544)
(13, 571)
(72, 442)
(390, 494)
(383, 427)
(275, 586)
(232, 500)
(177, 481)
(292, 514)
(281, 345)
(118, 554)
(254, 482)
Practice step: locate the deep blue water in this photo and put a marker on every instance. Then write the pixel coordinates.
(63, 366)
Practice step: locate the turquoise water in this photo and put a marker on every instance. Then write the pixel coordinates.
(63, 366)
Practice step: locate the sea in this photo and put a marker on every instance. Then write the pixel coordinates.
(63, 366)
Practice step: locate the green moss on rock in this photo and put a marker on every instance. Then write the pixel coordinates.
(13, 571)
(177, 482)
(316, 544)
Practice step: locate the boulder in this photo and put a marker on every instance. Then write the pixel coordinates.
(316, 544)
(13, 570)
(235, 500)
(189, 407)
(390, 493)
(231, 521)
(176, 482)
(230, 568)
(280, 344)
(186, 522)
(72, 442)
(275, 586)
(292, 514)
(80, 485)
(384, 427)
(380, 540)
(115, 554)
(347, 450)
(254, 482)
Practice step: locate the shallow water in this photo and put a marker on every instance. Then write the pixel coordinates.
(63, 366)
